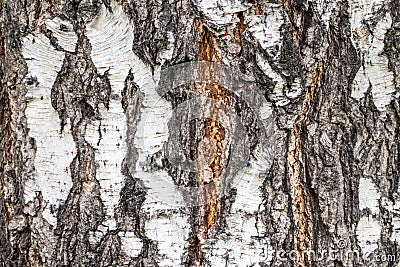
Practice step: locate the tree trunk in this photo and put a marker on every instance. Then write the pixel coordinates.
(199, 133)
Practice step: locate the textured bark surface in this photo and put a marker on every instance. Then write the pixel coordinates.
(121, 146)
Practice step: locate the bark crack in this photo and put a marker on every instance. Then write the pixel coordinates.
(301, 204)
(210, 179)
(296, 18)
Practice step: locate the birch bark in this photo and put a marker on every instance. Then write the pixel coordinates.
(199, 133)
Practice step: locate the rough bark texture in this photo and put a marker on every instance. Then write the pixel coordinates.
(282, 150)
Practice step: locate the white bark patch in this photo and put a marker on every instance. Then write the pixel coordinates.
(248, 181)
(266, 28)
(162, 195)
(394, 209)
(42, 59)
(265, 111)
(130, 244)
(64, 32)
(295, 90)
(152, 133)
(368, 228)
(368, 233)
(171, 230)
(241, 247)
(219, 13)
(55, 150)
(278, 89)
(109, 154)
(361, 9)
(376, 72)
(368, 195)
(396, 230)
(110, 36)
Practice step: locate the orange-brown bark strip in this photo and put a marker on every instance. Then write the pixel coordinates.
(301, 205)
(210, 181)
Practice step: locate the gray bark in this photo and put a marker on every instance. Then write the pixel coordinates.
(120, 146)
